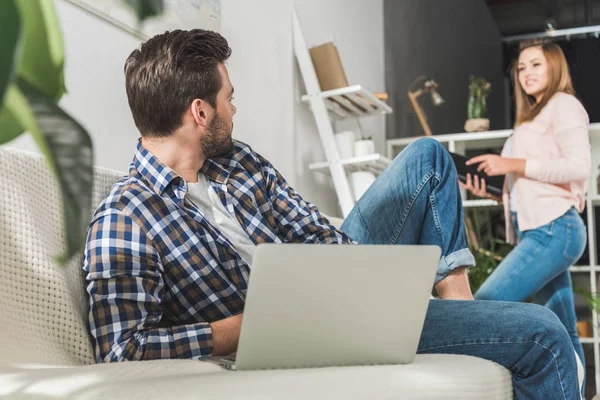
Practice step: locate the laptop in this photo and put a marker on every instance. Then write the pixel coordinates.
(493, 184)
(334, 305)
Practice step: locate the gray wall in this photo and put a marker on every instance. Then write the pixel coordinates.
(448, 40)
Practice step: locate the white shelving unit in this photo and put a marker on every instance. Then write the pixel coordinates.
(480, 203)
(375, 163)
(331, 105)
(351, 101)
(455, 142)
(461, 142)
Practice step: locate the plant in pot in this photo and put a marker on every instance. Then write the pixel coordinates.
(361, 180)
(584, 327)
(487, 248)
(477, 119)
(32, 59)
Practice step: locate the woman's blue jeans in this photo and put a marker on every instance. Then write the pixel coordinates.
(416, 200)
(538, 268)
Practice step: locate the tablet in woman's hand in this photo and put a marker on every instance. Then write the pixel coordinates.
(494, 184)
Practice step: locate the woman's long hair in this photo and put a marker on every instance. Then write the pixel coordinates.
(559, 80)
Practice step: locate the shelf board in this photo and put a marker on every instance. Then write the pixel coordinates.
(458, 137)
(487, 203)
(587, 339)
(480, 203)
(469, 136)
(351, 101)
(470, 140)
(580, 268)
(375, 163)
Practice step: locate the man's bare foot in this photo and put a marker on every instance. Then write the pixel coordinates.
(455, 286)
(458, 296)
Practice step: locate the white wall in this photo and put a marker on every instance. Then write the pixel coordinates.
(356, 27)
(260, 69)
(268, 85)
(263, 71)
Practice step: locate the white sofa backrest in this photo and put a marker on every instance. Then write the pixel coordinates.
(43, 307)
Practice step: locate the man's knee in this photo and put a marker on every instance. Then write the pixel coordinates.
(426, 146)
(542, 323)
(424, 157)
(422, 151)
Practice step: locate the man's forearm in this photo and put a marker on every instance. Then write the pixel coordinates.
(226, 334)
(455, 286)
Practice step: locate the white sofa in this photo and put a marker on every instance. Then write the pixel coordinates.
(45, 348)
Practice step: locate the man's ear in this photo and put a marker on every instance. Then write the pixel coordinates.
(201, 112)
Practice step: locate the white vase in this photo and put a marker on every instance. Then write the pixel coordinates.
(361, 181)
(364, 148)
(345, 144)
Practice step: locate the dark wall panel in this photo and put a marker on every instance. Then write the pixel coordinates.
(449, 41)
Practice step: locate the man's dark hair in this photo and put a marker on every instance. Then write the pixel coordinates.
(168, 72)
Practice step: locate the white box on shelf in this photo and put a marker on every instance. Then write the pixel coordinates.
(345, 144)
(364, 147)
(360, 182)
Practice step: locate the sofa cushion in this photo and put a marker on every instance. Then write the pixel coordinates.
(43, 306)
(45, 347)
(428, 377)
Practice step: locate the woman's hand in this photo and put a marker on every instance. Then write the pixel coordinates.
(477, 187)
(494, 165)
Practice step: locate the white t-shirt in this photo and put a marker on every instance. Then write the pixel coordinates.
(207, 200)
(510, 178)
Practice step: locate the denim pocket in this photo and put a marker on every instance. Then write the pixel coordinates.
(575, 241)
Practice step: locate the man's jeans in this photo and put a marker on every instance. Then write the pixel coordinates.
(538, 267)
(416, 200)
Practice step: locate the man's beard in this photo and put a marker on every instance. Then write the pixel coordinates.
(217, 141)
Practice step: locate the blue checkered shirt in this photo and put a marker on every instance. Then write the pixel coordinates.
(159, 273)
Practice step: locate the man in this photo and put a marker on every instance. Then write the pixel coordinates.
(169, 249)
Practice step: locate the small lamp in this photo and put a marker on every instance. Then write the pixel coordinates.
(427, 85)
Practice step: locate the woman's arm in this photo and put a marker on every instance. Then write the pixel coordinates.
(570, 124)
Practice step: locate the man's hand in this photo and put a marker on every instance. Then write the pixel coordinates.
(226, 334)
(455, 286)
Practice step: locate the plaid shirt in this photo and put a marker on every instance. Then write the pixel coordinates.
(159, 273)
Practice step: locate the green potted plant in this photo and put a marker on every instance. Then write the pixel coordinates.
(477, 119)
(584, 327)
(32, 59)
(487, 249)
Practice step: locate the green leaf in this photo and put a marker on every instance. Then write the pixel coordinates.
(10, 127)
(10, 33)
(43, 59)
(68, 149)
(145, 9)
(471, 107)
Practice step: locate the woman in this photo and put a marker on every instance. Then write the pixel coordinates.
(547, 164)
